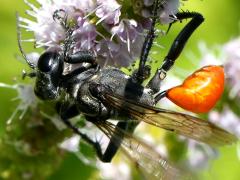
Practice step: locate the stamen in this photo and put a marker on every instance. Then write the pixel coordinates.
(31, 13)
(34, 8)
(128, 41)
(93, 11)
(100, 34)
(23, 113)
(28, 40)
(9, 121)
(102, 19)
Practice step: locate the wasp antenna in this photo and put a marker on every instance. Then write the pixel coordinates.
(19, 35)
(60, 16)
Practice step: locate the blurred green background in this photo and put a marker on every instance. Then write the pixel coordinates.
(222, 20)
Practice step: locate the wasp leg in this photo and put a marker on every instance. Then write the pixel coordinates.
(74, 73)
(87, 139)
(80, 57)
(128, 127)
(143, 70)
(30, 75)
(114, 143)
(176, 47)
(69, 112)
(115, 140)
(159, 96)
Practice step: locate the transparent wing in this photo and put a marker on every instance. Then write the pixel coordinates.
(148, 161)
(183, 124)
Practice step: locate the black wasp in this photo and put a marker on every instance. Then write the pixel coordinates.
(107, 93)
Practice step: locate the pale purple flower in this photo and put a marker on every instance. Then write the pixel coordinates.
(106, 51)
(71, 144)
(117, 54)
(226, 119)
(84, 35)
(97, 23)
(232, 66)
(51, 34)
(199, 155)
(232, 49)
(86, 6)
(127, 54)
(108, 11)
(47, 32)
(127, 31)
(148, 2)
(169, 8)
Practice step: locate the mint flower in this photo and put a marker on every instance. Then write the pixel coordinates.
(232, 66)
(226, 119)
(84, 35)
(25, 95)
(168, 9)
(100, 26)
(108, 11)
(199, 155)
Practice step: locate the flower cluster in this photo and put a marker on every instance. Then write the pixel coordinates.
(226, 119)
(232, 66)
(113, 30)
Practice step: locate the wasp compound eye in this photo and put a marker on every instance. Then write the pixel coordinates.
(47, 61)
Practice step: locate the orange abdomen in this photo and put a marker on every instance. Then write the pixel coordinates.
(200, 91)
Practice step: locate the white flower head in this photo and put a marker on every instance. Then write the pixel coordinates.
(25, 95)
(210, 57)
(116, 171)
(71, 144)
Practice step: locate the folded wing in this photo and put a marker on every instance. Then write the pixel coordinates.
(150, 163)
(183, 124)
